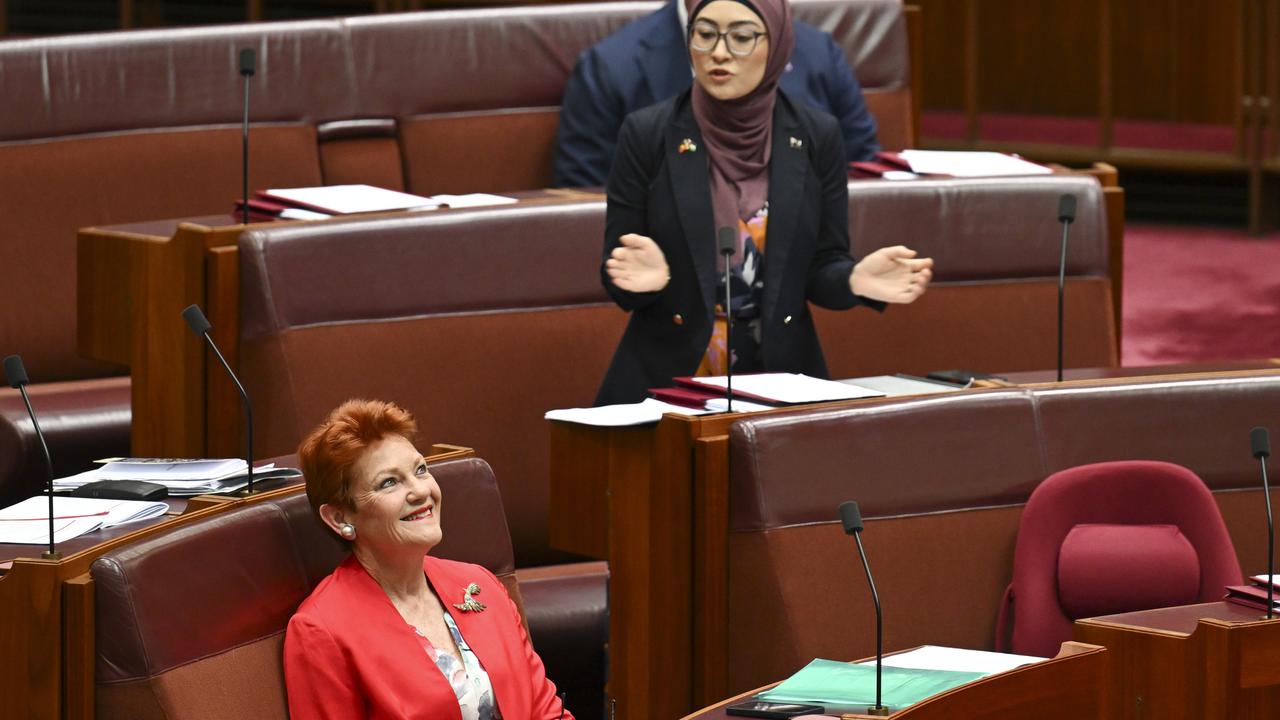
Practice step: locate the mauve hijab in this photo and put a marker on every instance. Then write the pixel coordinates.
(738, 133)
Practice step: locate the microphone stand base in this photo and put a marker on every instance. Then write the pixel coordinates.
(880, 711)
(51, 555)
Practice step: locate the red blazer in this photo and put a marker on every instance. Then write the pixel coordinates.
(349, 654)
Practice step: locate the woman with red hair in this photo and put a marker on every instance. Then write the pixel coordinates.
(393, 632)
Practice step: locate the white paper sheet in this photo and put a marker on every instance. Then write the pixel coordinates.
(473, 200)
(969, 164)
(933, 657)
(790, 387)
(641, 413)
(346, 199)
(27, 522)
(895, 386)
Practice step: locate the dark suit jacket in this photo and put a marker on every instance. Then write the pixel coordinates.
(658, 191)
(647, 62)
(349, 654)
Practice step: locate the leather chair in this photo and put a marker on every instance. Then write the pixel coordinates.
(1108, 538)
(190, 624)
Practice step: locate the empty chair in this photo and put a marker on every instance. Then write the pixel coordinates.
(1109, 538)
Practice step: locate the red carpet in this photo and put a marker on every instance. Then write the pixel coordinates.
(1199, 294)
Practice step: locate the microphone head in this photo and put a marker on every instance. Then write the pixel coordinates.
(248, 62)
(1258, 439)
(1067, 208)
(196, 320)
(725, 240)
(850, 517)
(14, 372)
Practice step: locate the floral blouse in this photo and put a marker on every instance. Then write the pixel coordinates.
(469, 680)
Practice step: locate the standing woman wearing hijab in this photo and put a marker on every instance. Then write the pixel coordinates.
(735, 152)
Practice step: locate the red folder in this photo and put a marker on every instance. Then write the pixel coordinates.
(685, 396)
(1250, 596)
(715, 392)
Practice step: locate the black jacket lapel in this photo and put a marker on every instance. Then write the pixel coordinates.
(690, 182)
(787, 166)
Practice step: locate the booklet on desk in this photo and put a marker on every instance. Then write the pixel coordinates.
(27, 522)
(908, 677)
(780, 388)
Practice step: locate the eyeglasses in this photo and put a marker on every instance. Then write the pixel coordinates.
(704, 36)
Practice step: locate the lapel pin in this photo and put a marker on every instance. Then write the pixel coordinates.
(796, 143)
(470, 604)
(687, 145)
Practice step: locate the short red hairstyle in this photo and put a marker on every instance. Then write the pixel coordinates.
(327, 454)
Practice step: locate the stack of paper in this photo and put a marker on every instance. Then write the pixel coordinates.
(641, 413)
(183, 477)
(27, 522)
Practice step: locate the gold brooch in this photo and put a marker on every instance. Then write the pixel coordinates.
(470, 604)
(687, 145)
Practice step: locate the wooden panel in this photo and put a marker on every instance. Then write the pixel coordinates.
(224, 411)
(711, 568)
(578, 499)
(1178, 61)
(1038, 57)
(942, 53)
(78, 648)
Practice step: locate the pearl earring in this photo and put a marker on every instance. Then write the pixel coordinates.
(348, 530)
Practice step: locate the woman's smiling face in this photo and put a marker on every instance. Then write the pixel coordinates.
(397, 501)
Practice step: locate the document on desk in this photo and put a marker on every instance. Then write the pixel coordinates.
(934, 657)
(787, 388)
(473, 200)
(183, 477)
(349, 199)
(27, 522)
(829, 682)
(902, 385)
(641, 413)
(969, 164)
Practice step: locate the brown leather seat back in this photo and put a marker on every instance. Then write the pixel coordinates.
(477, 322)
(191, 623)
(996, 244)
(127, 127)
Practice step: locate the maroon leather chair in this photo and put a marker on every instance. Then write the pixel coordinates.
(190, 624)
(1108, 538)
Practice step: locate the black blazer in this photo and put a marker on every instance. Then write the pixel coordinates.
(658, 191)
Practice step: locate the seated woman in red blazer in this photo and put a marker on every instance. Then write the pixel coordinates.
(393, 632)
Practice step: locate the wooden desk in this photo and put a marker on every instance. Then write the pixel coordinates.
(47, 631)
(1069, 686)
(1208, 661)
(654, 502)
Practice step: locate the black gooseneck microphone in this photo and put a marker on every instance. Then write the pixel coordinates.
(16, 374)
(248, 65)
(725, 242)
(1261, 451)
(199, 325)
(852, 521)
(1066, 216)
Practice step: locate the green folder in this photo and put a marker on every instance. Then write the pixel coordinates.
(828, 682)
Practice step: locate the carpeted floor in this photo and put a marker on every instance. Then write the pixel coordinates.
(1199, 294)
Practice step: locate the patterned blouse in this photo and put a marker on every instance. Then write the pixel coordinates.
(469, 680)
(745, 294)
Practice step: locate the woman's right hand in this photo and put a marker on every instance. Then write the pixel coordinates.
(638, 265)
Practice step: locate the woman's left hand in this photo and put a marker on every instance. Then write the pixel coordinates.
(892, 274)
